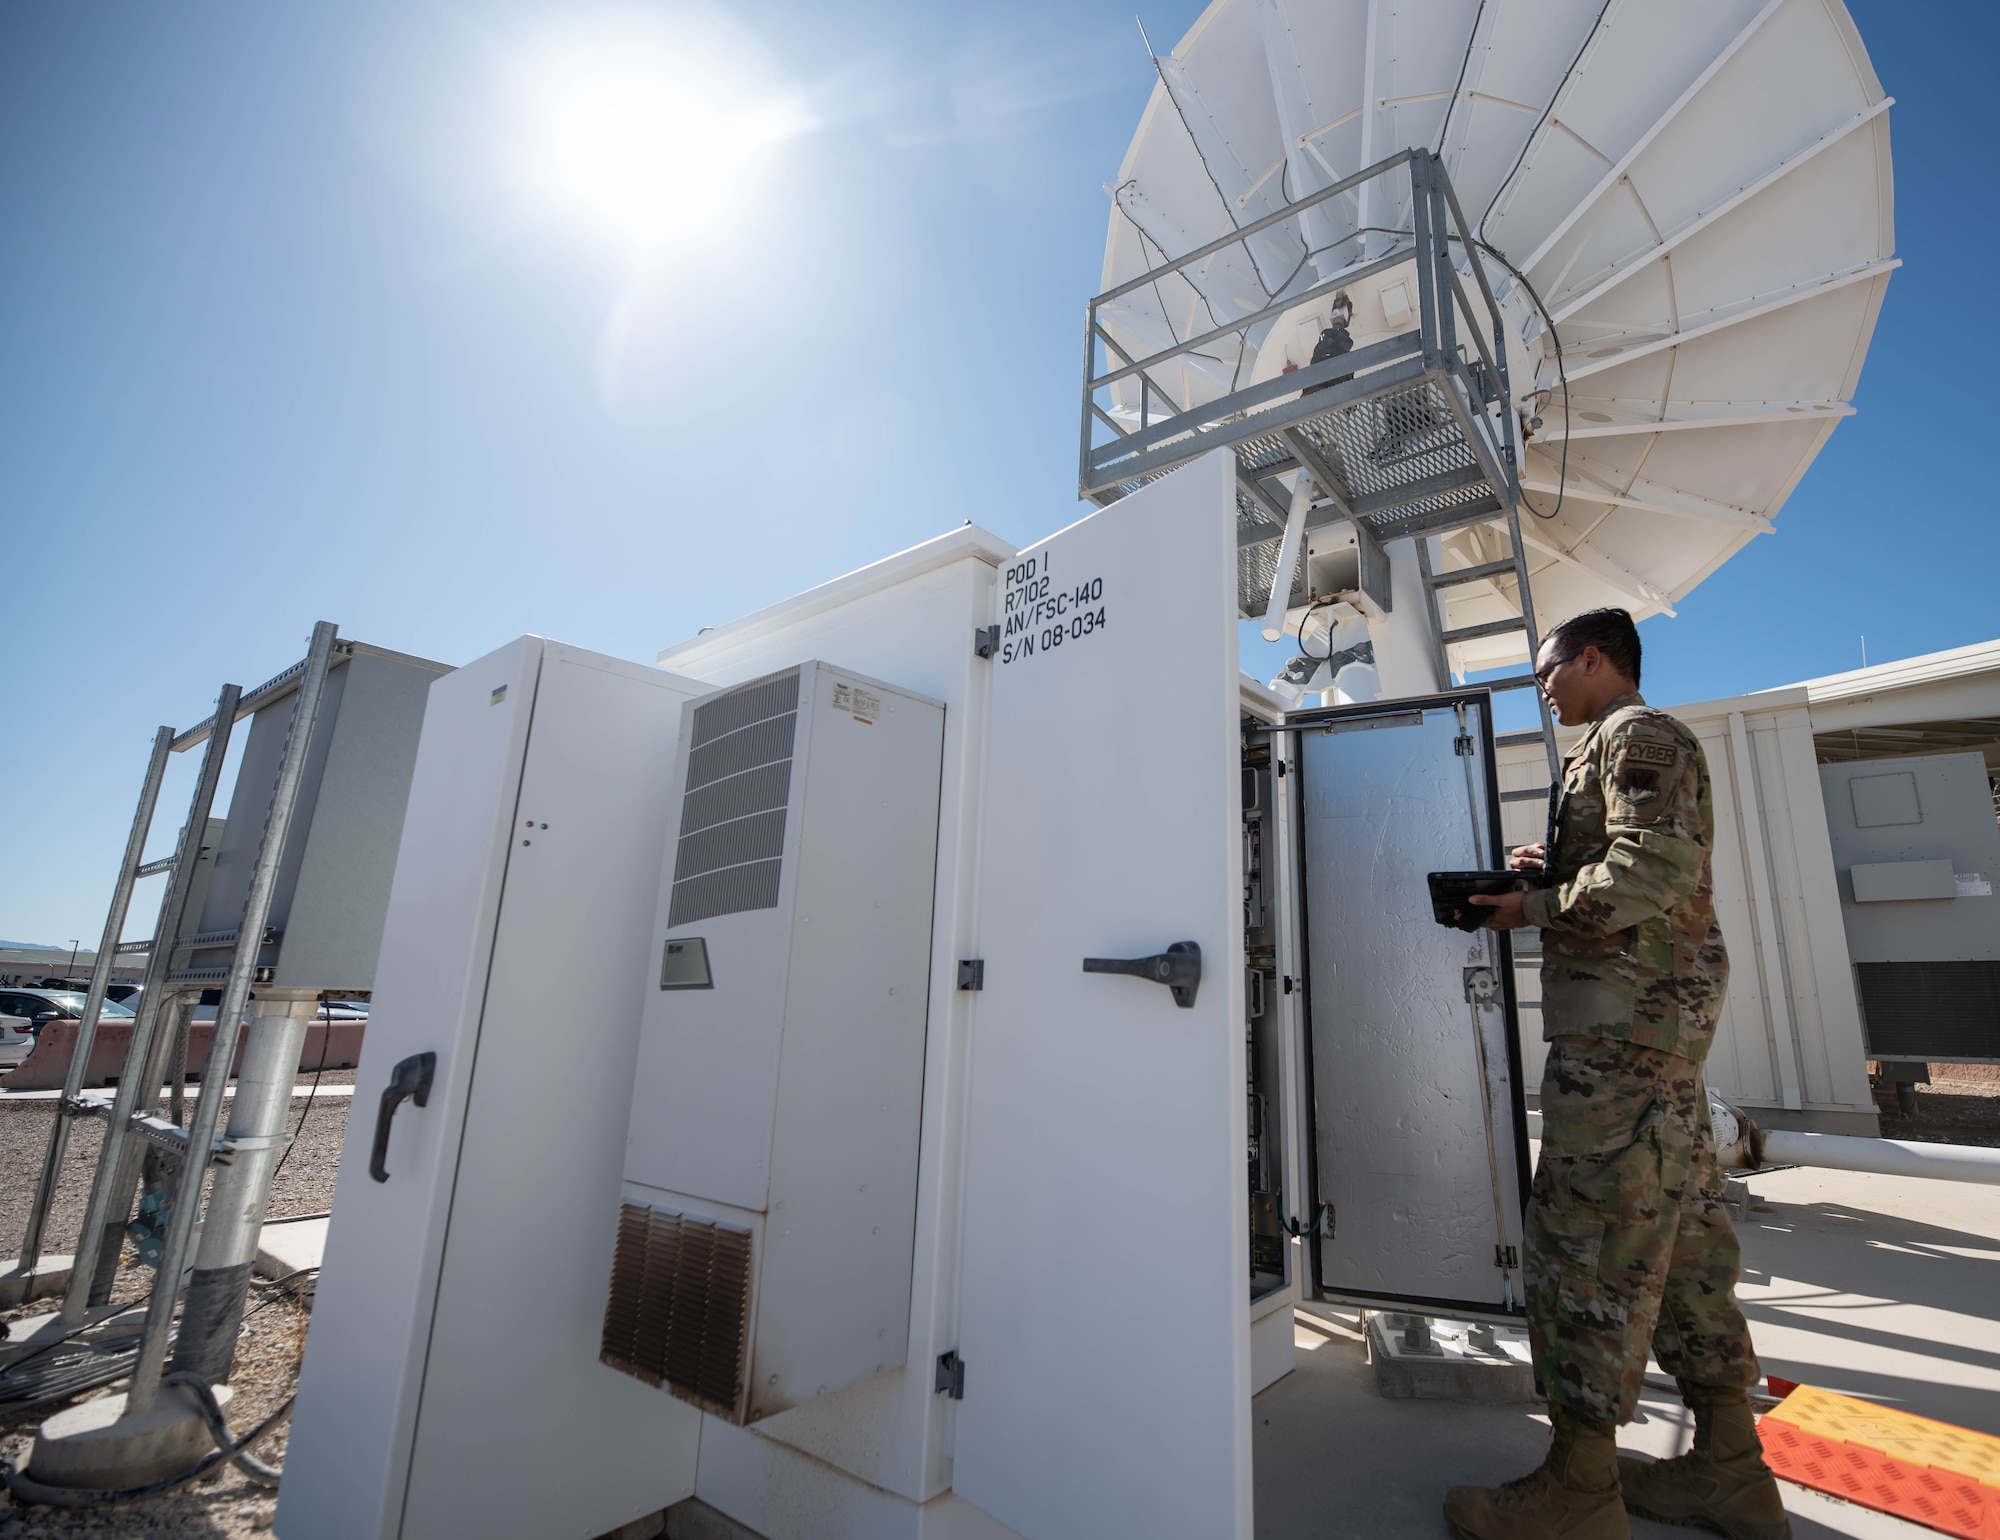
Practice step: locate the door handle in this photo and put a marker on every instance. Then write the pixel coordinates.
(1178, 967)
(412, 1079)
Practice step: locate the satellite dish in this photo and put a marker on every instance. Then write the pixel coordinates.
(1685, 211)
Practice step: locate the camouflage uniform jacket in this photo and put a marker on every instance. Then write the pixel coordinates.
(1630, 946)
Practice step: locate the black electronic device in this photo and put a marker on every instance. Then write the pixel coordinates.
(1452, 892)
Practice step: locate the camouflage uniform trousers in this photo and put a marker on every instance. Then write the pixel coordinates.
(1627, 1238)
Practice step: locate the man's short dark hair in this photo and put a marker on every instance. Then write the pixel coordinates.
(1611, 632)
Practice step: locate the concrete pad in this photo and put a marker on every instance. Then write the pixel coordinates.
(1877, 1287)
(51, 1276)
(96, 1445)
(286, 1246)
(32, 1333)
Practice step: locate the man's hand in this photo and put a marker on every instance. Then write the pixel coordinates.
(1528, 858)
(1510, 910)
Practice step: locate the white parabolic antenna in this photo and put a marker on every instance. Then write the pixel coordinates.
(1697, 194)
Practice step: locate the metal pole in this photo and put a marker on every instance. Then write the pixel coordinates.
(186, 1200)
(93, 1002)
(233, 1217)
(116, 1173)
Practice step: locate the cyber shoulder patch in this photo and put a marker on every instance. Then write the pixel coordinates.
(1644, 751)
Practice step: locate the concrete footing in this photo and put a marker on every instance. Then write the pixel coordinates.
(51, 1276)
(1420, 1358)
(95, 1445)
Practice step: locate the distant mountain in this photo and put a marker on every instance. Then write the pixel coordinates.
(33, 946)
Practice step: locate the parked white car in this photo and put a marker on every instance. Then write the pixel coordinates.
(15, 1039)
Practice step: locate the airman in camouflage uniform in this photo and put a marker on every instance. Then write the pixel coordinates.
(1627, 1240)
(1625, 1224)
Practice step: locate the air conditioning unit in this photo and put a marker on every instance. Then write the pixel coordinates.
(766, 1230)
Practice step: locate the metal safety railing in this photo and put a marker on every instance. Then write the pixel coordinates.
(1412, 434)
(1447, 442)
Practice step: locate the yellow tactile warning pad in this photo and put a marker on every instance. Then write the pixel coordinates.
(1911, 1439)
(1945, 1477)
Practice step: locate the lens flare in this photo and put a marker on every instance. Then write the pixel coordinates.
(652, 132)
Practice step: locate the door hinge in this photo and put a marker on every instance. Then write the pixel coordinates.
(972, 973)
(1506, 1257)
(1287, 983)
(985, 641)
(950, 1376)
(1281, 769)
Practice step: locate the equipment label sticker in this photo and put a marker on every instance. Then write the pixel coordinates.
(1039, 616)
(857, 703)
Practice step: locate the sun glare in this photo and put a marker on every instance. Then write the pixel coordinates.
(654, 133)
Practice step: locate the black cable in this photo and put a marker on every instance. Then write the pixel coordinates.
(25, 1488)
(325, 1042)
(1228, 213)
(1479, 230)
(1452, 106)
(1562, 374)
(48, 1347)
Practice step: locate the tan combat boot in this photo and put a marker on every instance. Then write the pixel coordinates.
(1573, 1496)
(1722, 1483)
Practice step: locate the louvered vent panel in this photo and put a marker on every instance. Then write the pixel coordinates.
(739, 783)
(1931, 1010)
(679, 1306)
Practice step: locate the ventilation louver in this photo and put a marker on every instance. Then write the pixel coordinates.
(1931, 1010)
(739, 781)
(679, 1306)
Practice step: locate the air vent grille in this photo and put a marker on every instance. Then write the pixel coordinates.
(739, 783)
(679, 1306)
(1931, 1010)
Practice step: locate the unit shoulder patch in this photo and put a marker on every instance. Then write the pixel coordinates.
(1647, 751)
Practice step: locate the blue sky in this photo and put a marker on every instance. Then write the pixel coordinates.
(292, 331)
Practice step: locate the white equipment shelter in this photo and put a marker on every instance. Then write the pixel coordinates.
(1094, 1288)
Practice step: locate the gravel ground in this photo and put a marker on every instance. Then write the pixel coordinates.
(304, 1185)
(224, 1503)
(267, 1357)
(1961, 1105)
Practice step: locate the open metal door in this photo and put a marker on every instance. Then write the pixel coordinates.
(1419, 1131)
(1104, 1326)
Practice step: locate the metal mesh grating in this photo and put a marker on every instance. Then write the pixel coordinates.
(679, 1306)
(1386, 442)
(1401, 459)
(739, 783)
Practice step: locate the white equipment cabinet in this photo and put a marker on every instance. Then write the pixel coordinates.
(1106, 948)
(451, 1383)
(765, 1238)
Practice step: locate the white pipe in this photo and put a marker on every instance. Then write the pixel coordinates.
(1845, 1152)
(1288, 557)
(1887, 1157)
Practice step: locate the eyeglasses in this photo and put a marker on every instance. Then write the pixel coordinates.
(1542, 673)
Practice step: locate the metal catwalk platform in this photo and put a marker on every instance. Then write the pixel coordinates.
(1406, 435)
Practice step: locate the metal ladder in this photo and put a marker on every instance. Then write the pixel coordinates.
(1515, 565)
(132, 1128)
